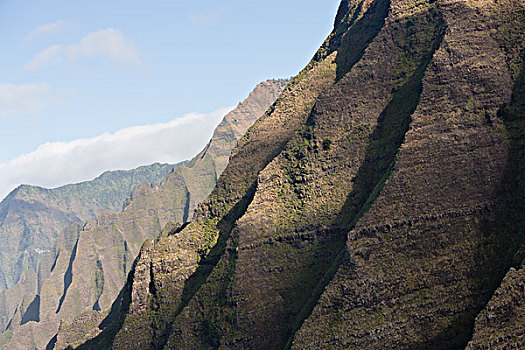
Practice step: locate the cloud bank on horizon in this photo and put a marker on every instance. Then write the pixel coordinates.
(58, 163)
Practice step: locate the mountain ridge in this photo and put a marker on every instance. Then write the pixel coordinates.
(24, 225)
(377, 204)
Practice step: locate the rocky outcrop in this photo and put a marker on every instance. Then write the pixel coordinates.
(87, 273)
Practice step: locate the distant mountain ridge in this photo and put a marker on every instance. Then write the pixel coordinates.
(88, 265)
(31, 217)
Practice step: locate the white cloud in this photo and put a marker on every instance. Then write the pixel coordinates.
(209, 16)
(28, 98)
(108, 43)
(58, 163)
(45, 29)
(52, 54)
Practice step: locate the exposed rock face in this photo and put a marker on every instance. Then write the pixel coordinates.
(501, 324)
(430, 251)
(87, 269)
(377, 204)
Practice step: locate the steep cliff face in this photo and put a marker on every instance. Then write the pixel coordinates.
(32, 217)
(501, 324)
(86, 270)
(427, 255)
(377, 204)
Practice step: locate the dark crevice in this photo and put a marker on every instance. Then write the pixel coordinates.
(99, 285)
(361, 33)
(220, 307)
(52, 342)
(379, 160)
(10, 321)
(151, 287)
(352, 45)
(125, 257)
(341, 25)
(32, 312)
(55, 262)
(178, 229)
(205, 151)
(68, 276)
(96, 306)
(513, 116)
(186, 213)
(343, 9)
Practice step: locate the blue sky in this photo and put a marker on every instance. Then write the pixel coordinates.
(73, 70)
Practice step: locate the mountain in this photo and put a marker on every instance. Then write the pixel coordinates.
(378, 204)
(87, 267)
(31, 217)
